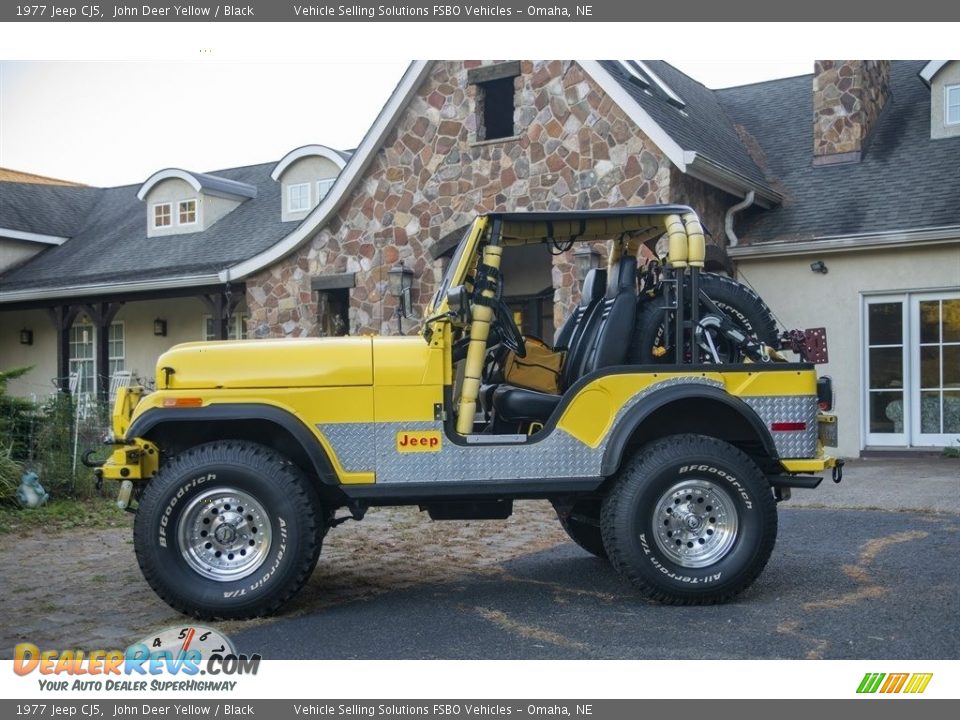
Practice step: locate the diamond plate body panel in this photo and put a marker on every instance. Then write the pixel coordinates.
(371, 447)
(789, 408)
(353, 444)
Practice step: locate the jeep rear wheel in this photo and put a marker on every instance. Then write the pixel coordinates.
(690, 520)
(228, 530)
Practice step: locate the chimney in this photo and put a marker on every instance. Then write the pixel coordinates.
(848, 96)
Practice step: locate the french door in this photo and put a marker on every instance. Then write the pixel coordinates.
(912, 369)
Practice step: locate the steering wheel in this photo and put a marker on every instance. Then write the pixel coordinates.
(510, 335)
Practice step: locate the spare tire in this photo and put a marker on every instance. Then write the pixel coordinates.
(739, 302)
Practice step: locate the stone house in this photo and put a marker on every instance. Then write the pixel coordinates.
(852, 169)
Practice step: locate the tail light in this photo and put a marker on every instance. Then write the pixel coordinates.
(825, 393)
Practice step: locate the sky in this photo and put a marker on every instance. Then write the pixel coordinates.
(116, 123)
(110, 104)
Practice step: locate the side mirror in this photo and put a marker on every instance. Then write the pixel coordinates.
(457, 299)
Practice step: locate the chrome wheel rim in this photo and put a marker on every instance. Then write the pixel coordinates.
(224, 534)
(695, 523)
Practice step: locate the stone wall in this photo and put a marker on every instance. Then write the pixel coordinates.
(848, 96)
(573, 148)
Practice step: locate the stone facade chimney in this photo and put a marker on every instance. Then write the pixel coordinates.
(848, 96)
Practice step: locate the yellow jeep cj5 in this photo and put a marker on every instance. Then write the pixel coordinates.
(664, 424)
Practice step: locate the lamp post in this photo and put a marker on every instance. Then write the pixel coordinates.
(585, 258)
(399, 279)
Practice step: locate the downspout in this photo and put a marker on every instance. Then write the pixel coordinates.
(732, 238)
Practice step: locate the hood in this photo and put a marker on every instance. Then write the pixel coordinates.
(267, 363)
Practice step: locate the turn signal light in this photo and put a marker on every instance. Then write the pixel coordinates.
(187, 402)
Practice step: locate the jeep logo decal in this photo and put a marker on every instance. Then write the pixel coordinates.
(423, 441)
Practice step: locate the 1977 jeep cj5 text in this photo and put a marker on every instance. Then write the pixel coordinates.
(664, 425)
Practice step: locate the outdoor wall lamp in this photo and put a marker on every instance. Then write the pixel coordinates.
(160, 327)
(400, 279)
(585, 259)
(819, 267)
(26, 337)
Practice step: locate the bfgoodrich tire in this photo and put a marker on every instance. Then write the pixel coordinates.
(228, 530)
(741, 304)
(689, 520)
(582, 524)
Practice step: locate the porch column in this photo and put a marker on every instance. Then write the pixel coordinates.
(221, 306)
(62, 318)
(102, 315)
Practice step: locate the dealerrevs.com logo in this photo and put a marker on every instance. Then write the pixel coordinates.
(911, 683)
(179, 652)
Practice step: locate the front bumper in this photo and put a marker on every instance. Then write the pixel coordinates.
(136, 460)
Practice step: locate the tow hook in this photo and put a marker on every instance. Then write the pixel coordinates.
(838, 470)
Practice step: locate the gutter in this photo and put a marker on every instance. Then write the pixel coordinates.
(713, 173)
(103, 288)
(849, 243)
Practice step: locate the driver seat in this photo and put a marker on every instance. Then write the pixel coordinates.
(603, 341)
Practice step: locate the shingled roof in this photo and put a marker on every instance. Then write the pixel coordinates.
(904, 181)
(108, 234)
(701, 125)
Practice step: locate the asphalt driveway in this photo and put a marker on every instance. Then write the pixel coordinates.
(840, 584)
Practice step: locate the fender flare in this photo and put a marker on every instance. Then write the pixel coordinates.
(622, 432)
(227, 412)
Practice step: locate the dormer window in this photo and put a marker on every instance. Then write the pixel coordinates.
(162, 215)
(951, 105)
(183, 202)
(187, 212)
(323, 187)
(298, 197)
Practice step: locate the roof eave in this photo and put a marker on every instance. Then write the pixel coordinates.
(73, 291)
(930, 70)
(911, 237)
(730, 181)
(10, 234)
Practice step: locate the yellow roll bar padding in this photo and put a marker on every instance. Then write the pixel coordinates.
(477, 349)
(677, 237)
(696, 245)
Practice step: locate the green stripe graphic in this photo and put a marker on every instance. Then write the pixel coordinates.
(871, 682)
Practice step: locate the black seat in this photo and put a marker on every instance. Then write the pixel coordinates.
(594, 287)
(603, 340)
(619, 310)
(576, 335)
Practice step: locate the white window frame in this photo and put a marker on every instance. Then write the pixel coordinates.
(919, 438)
(237, 323)
(290, 189)
(121, 359)
(76, 363)
(153, 215)
(911, 435)
(947, 90)
(196, 211)
(883, 439)
(324, 182)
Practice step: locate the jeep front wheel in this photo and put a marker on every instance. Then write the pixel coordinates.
(690, 520)
(228, 530)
